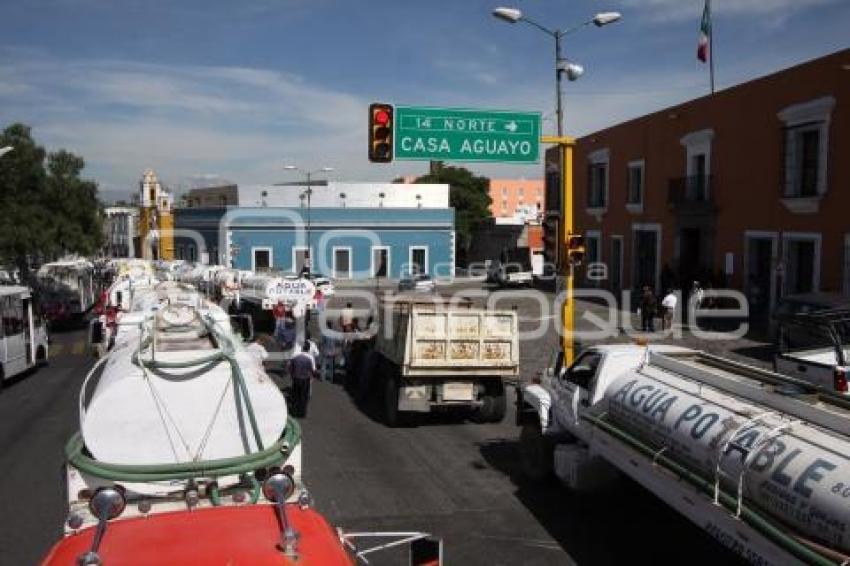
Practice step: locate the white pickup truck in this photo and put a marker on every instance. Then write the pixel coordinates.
(756, 459)
(815, 347)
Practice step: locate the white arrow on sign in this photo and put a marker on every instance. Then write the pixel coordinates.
(511, 126)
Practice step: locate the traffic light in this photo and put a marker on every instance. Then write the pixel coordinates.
(575, 248)
(380, 133)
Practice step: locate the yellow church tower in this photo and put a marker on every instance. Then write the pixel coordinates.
(156, 218)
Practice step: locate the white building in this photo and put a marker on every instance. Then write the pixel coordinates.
(347, 195)
(119, 227)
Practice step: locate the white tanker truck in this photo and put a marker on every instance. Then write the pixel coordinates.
(182, 413)
(759, 460)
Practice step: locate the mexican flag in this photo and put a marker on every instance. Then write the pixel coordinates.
(704, 33)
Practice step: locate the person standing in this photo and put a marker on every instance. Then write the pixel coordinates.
(302, 369)
(647, 309)
(330, 351)
(279, 315)
(668, 304)
(346, 318)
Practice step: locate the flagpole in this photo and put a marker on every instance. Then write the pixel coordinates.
(711, 47)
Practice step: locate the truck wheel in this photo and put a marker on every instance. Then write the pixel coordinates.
(391, 413)
(494, 405)
(536, 453)
(40, 357)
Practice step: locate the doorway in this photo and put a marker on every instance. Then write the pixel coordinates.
(645, 263)
(760, 270)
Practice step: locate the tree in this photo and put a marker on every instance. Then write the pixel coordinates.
(469, 195)
(47, 210)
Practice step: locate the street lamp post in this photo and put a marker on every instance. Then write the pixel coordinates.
(562, 66)
(573, 72)
(309, 193)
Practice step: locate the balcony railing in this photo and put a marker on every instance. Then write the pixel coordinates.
(691, 189)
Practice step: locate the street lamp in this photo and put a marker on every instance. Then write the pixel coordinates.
(309, 193)
(562, 66)
(5, 150)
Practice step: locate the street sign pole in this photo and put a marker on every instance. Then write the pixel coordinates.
(568, 315)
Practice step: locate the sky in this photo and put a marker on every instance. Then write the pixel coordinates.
(207, 91)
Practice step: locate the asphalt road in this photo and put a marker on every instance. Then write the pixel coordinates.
(39, 414)
(446, 476)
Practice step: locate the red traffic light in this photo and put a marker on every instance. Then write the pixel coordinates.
(380, 133)
(382, 117)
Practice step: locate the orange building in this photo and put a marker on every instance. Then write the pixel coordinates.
(516, 197)
(749, 187)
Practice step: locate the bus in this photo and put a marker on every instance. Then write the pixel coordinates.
(23, 336)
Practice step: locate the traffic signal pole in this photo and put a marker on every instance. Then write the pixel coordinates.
(568, 222)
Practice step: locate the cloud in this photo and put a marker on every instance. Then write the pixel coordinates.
(666, 11)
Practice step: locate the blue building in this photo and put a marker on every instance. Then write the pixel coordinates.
(345, 242)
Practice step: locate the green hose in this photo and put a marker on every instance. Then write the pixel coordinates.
(750, 516)
(215, 495)
(274, 455)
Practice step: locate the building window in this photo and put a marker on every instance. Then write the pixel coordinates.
(342, 263)
(635, 179)
(299, 258)
(261, 259)
(418, 260)
(380, 261)
(520, 191)
(802, 160)
(504, 191)
(806, 137)
(801, 262)
(597, 179)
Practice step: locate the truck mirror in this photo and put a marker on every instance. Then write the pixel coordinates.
(426, 551)
(96, 332)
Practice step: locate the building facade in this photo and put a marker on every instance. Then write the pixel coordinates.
(154, 238)
(353, 230)
(203, 197)
(748, 188)
(119, 227)
(517, 197)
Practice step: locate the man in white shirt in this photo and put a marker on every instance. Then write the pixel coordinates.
(668, 303)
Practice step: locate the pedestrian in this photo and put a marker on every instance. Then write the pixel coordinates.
(279, 314)
(302, 369)
(319, 301)
(330, 351)
(668, 304)
(346, 319)
(287, 333)
(647, 309)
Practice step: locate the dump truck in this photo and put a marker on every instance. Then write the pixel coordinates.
(426, 354)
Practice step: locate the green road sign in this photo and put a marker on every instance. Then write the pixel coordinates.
(459, 134)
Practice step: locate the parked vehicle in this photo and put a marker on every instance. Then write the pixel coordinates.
(815, 347)
(23, 335)
(513, 268)
(806, 303)
(186, 453)
(420, 283)
(437, 355)
(756, 459)
(66, 289)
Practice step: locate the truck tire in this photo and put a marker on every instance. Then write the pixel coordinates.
(392, 416)
(494, 405)
(536, 453)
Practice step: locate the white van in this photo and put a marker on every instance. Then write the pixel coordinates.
(23, 336)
